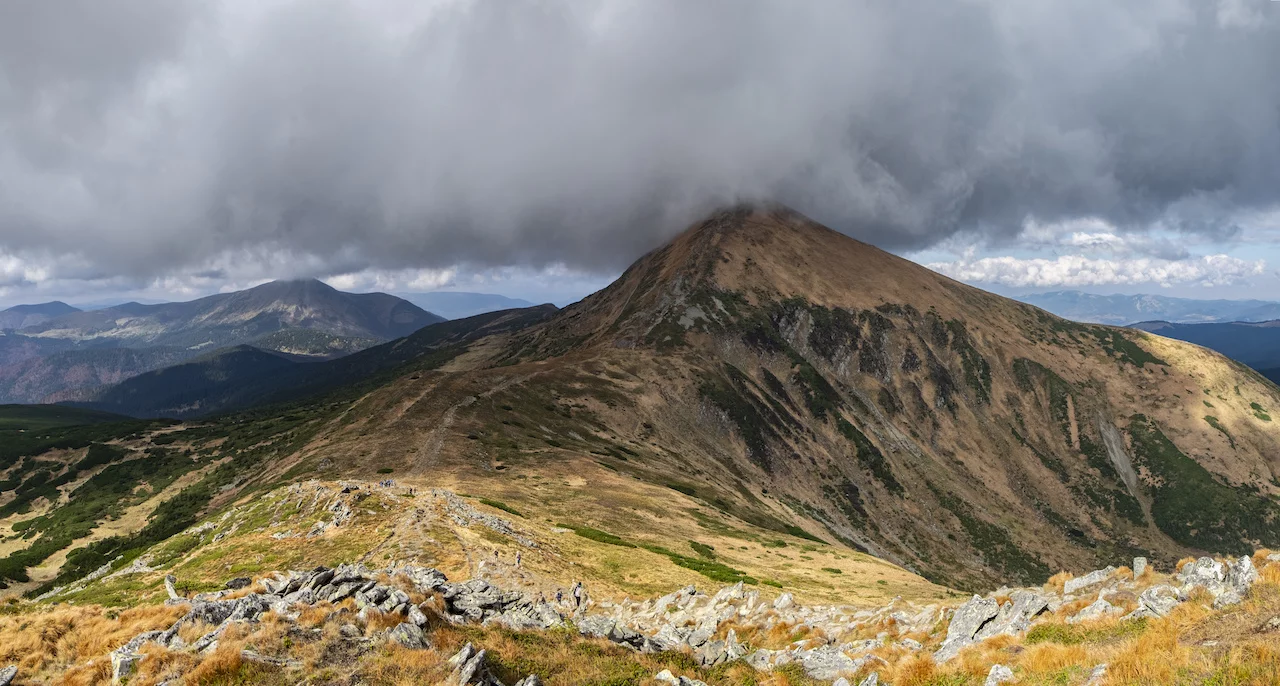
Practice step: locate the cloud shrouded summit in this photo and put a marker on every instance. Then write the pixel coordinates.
(140, 139)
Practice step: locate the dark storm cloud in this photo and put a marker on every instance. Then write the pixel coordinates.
(146, 138)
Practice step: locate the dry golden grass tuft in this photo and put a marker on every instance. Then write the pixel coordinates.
(1051, 657)
(223, 665)
(381, 621)
(1058, 581)
(916, 670)
(45, 641)
(1270, 574)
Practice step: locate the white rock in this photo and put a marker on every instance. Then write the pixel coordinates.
(1090, 579)
(1100, 608)
(999, 674)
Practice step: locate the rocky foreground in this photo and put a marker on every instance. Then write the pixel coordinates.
(398, 607)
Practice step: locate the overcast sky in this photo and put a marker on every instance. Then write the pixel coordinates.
(172, 148)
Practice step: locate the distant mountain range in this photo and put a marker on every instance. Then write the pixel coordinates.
(55, 352)
(1127, 309)
(21, 316)
(245, 375)
(458, 305)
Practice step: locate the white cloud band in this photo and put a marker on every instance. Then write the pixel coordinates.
(1077, 270)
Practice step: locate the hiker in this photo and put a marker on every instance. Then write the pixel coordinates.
(559, 596)
(519, 557)
(577, 595)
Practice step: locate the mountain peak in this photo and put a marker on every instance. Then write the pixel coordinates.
(758, 252)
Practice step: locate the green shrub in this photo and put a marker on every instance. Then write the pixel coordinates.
(712, 570)
(703, 550)
(501, 506)
(599, 536)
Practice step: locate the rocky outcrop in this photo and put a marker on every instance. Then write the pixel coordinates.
(1091, 579)
(1097, 610)
(684, 620)
(965, 624)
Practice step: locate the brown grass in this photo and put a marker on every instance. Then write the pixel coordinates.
(48, 641)
(917, 670)
(1058, 581)
(378, 621)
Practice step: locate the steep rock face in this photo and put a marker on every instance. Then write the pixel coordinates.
(796, 378)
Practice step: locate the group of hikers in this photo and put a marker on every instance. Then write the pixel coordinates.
(577, 594)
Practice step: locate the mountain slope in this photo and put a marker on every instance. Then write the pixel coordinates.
(70, 374)
(248, 375)
(1256, 344)
(793, 377)
(1125, 309)
(20, 316)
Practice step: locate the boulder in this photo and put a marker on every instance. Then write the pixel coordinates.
(1099, 609)
(169, 581)
(1157, 601)
(965, 624)
(600, 626)
(469, 670)
(999, 674)
(827, 662)
(666, 677)
(1091, 579)
(409, 635)
(872, 679)
(8, 674)
(1228, 584)
(238, 583)
(784, 602)
(1139, 566)
(1206, 572)
(525, 615)
(1014, 616)
(1241, 575)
